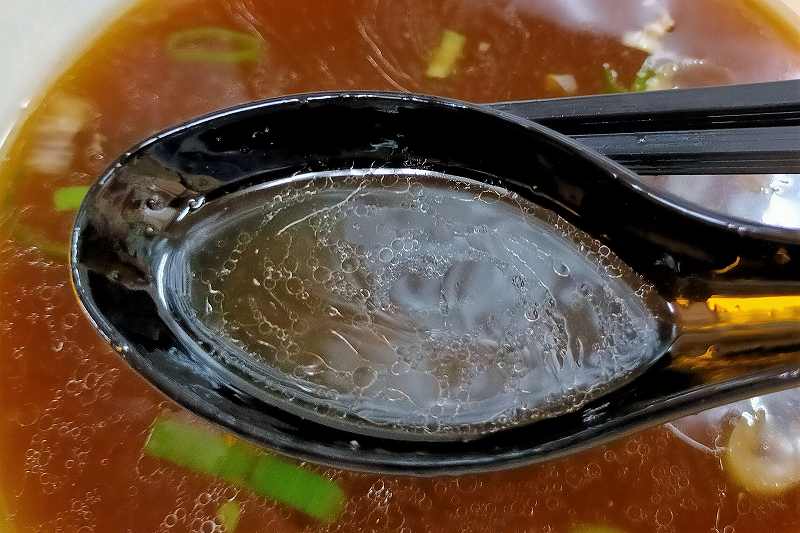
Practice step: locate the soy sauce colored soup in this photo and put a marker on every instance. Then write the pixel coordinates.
(87, 446)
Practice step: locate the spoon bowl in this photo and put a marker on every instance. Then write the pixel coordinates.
(404, 283)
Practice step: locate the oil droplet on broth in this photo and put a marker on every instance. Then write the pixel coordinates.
(408, 302)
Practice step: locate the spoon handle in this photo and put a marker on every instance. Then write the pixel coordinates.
(737, 129)
(760, 150)
(769, 103)
(736, 334)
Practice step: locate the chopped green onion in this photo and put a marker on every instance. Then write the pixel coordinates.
(201, 450)
(446, 55)
(611, 83)
(214, 45)
(228, 515)
(29, 237)
(643, 77)
(303, 490)
(209, 452)
(69, 198)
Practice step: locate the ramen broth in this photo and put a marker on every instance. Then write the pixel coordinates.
(386, 317)
(86, 445)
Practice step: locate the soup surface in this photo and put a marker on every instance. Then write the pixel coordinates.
(87, 446)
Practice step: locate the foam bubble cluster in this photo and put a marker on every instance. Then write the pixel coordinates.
(416, 302)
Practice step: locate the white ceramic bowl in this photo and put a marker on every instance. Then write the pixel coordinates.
(37, 38)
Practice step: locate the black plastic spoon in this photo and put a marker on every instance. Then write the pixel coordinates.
(737, 129)
(687, 308)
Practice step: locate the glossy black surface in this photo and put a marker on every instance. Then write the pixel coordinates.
(736, 129)
(678, 247)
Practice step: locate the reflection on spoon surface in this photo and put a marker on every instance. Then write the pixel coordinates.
(416, 302)
(772, 199)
